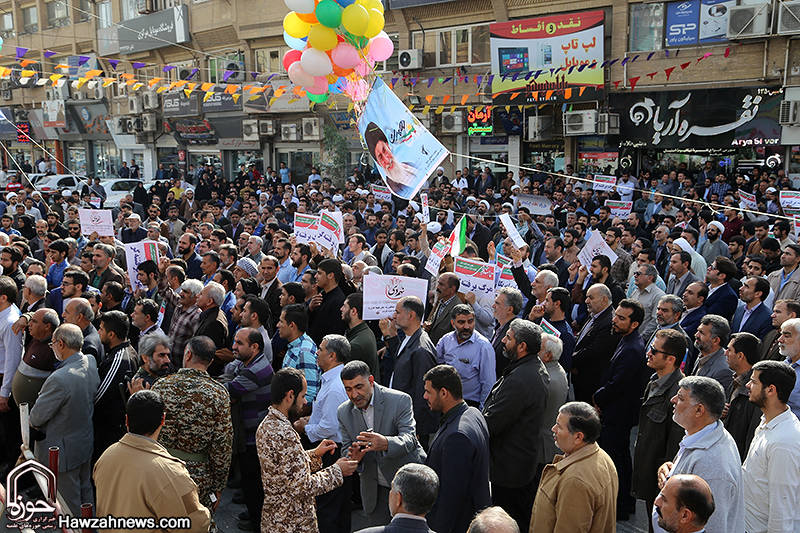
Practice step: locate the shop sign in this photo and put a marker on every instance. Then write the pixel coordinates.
(494, 140)
(54, 114)
(548, 59)
(149, 32)
(221, 102)
(23, 132)
(697, 21)
(92, 118)
(701, 119)
(479, 123)
(178, 105)
(192, 132)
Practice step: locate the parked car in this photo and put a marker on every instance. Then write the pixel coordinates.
(116, 189)
(48, 184)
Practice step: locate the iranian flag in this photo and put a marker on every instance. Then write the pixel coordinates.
(458, 238)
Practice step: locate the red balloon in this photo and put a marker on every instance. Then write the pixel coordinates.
(290, 57)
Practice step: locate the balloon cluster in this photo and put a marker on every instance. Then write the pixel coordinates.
(333, 43)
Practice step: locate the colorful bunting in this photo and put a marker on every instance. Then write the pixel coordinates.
(633, 82)
(668, 72)
(21, 52)
(48, 54)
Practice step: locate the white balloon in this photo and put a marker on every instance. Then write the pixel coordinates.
(301, 6)
(316, 62)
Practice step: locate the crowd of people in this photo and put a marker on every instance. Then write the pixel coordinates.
(241, 360)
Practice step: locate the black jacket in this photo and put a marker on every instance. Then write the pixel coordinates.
(115, 371)
(418, 356)
(327, 318)
(622, 382)
(514, 413)
(500, 360)
(481, 238)
(214, 324)
(743, 416)
(592, 353)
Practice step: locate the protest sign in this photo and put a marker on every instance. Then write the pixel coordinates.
(137, 253)
(96, 202)
(511, 229)
(476, 277)
(549, 328)
(537, 205)
(790, 199)
(405, 153)
(604, 183)
(426, 212)
(382, 193)
(381, 293)
(596, 245)
(619, 209)
(506, 278)
(99, 220)
(306, 228)
(439, 250)
(329, 232)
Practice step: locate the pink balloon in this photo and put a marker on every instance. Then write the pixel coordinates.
(300, 76)
(365, 67)
(381, 48)
(320, 86)
(345, 56)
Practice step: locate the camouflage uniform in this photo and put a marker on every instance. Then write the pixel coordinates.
(198, 422)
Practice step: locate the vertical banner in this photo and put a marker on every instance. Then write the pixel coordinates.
(405, 153)
(306, 228)
(137, 253)
(512, 231)
(426, 211)
(682, 19)
(476, 277)
(381, 293)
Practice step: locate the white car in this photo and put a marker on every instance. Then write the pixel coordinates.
(116, 189)
(48, 184)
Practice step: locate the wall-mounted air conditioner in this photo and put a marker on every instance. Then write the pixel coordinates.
(453, 122)
(580, 122)
(540, 128)
(250, 130)
(311, 127)
(410, 59)
(288, 132)
(752, 20)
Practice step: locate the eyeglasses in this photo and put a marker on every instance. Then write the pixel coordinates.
(66, 283)
(712, 267)
(654, 351)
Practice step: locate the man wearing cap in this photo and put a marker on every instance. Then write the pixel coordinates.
(245, 268)
(714, 245)
(134, 232)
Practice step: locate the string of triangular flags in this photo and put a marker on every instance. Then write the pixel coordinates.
(255, 90)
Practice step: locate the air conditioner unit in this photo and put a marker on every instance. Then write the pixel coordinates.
(453, 122)
(266, 128)
(6, 94)
(50, 94)
(145, 6)
(789, 18)
(135, 105)
(151, 100)
(5, 85)
(149, 122)
(410, 59)
(288, 132)
(311, 129)
(425, 120)
(608, 124)
(751, 20)
(98, 93)
(237, 67)
(130, 124)
(79, 95)
(184, 72)
(790, 113)
(250, 130)
(145, 138)
(135, 125)
(121, 126)
(20, 115)
(580, 122)
(60, 92)
(540, 128)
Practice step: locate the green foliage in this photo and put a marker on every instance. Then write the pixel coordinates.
(334, 156)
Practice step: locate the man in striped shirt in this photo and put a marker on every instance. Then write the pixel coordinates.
(301, 352)
(187, 315)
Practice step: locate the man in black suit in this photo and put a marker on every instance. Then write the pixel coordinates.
(271, 287)
(694, 297)
(459, 453)
(479, 234)
(595, 343)
(619, 397)
(236, 228)
(414, 490)
(722, 300)
(507, 305)
(554, 251)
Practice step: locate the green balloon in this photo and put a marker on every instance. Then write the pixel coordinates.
(362, 42)
(317, 98)
(329, 13)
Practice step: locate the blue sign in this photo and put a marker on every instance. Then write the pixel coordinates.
(682, 22)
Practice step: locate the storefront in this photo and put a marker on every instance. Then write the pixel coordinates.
(736, 128)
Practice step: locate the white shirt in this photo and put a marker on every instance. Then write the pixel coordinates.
(369, 421)
(324, 422)
(771, 476)
(10, 348)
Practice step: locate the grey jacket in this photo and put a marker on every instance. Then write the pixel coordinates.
(63, 412)
(715, 458)
(392, 418)
(716, 367)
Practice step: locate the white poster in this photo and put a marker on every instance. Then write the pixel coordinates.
(99, 220)
(438, 252)
(511, 229)
(426, 212)
(306, 228)
(137, 253)
(382, 193)
(381, 294)
(596, 245)
(476, 277)
(619, 209)
(537, 205)
(790, 198)
(330, 232)
(604, 183)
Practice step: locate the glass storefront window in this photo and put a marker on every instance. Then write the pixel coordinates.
(106, 160)
(207, 158)
(300, 163)
(647, 27)
(77, 161)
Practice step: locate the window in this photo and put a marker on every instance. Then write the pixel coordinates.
(390, 64)
(30, 19)
(6, 26)
(57, 14)
(270, 60)
(130, 9)
(85, 12)
(647, 27)
(104, 15)
(455, 46)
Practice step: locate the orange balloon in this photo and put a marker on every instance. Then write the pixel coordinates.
(332, 78)
(310, 18)
(341, 72)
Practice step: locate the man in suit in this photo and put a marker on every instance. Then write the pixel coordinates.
(212, 321)
(378, 430)
(63, 412)
(782, 311)
(721, 298)
(413, 356)
(104, 269)
(619, 397)
(438, 323)
(507, 305)
(711, 339)
(479, 234)
(594, 345)
(694, 298)
(680, 273)
(554, 251)
(414, 490)
(459, 453)
(668, 316)
(236, 228)
(754, 316)
(271, 287)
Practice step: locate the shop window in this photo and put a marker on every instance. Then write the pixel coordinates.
(129, 9)
(57, 14)
(270, 59)
(646, 27)
(466, 45)
(105, 16)
(30, 19)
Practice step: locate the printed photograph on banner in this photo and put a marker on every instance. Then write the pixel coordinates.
(512, 231)
(596, 245)
(381, 293)
(619, 209)
(404, 152)
(604, 183)
(476, 277)
(306, 228)
(439, 250)
(99, 220)
(790, 199)
(137, 253)
(537, 205)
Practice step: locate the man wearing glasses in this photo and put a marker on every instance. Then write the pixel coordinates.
(722, 299)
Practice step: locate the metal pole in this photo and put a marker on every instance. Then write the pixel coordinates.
(54, 468)
(24, 419)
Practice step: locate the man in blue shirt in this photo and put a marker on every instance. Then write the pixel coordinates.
(286, 272)
(58, 255)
